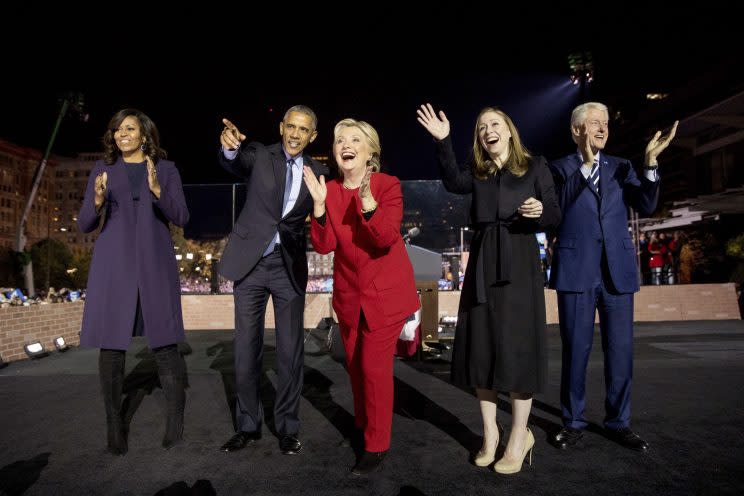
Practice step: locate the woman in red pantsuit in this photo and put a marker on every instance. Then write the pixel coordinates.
(358, 216)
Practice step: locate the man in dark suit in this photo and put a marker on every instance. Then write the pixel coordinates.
(594, 268)
(265, 255)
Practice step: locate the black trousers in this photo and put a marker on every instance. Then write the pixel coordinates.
(269, 277)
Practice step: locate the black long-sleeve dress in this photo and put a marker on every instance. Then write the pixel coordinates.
(500, 340)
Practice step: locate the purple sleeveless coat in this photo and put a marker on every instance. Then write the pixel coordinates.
(133, 256)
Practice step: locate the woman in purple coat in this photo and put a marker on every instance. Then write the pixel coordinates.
(133, 286)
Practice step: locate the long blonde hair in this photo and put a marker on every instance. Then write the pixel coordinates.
(373, 139)
(519, 156)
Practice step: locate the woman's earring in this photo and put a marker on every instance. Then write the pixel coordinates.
(143, 147)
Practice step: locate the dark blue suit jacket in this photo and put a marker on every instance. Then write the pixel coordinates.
(264, 169)
(592, 225)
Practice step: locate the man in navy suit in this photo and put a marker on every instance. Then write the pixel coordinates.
(594, 268)
(265, 255)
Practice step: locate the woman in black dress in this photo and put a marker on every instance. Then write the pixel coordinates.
(500, 342)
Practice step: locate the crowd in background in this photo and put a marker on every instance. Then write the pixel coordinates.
(661, 258)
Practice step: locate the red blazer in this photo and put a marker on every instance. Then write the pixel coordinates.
(371, 269)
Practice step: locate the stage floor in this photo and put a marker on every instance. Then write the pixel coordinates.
(687, 403)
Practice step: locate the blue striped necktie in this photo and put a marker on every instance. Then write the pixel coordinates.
(594, 177)
(288, 184)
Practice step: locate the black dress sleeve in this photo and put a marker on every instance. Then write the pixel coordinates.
(455, 178)
(545, 189)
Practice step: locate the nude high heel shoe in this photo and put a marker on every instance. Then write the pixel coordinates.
(484, 457)
(506, 467)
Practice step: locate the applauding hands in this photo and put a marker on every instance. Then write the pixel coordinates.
(658, 144)
(318, 190)
(152, 178)
(101, 182)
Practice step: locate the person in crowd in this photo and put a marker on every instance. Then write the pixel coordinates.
(500, 341)
(358, 217)
(265, 256)
(643, 256)
(594, 268)
(666, 268)
(675, 248)
(133, 285)
(657, 258)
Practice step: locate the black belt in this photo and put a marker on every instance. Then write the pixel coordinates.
(277, 249)
(492, 266)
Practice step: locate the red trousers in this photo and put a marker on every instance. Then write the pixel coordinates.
(369, 360)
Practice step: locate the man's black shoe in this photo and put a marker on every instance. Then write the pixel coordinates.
(239, 440)
(289, 444)
(627, 438)
(566, 437)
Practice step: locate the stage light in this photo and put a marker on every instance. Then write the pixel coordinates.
(59, 342)
(581, 65)
(35, 350)
(179, 256)
(656, 96)
(189, 256)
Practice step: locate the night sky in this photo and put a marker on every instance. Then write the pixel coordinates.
(342, 74)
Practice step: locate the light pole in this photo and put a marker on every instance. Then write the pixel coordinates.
(74, 100)
(49, 246)
(462, 239)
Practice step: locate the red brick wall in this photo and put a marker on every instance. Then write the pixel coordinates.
(687, 302)
(651, 303)
(19, 325)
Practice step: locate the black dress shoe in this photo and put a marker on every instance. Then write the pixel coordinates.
(289, 444)
(369, 462)
(239, 440)
(627, 438)
(566, 437)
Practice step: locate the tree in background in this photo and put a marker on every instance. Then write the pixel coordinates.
(10, 270)
(51, 257)
(81, 264)
(735, 249)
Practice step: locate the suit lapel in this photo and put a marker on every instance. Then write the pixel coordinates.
(606, 172)
(578, 162)
(279, 164)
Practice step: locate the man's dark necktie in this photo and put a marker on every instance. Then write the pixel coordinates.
(288, 184)
(593, 178)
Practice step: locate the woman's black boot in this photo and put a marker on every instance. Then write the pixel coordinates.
(171, 372)
(111, 372)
